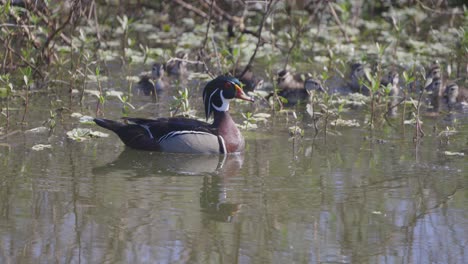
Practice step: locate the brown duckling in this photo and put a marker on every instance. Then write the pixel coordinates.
(153, 83)
(295, 88)
(177, 67)
(455, 96)
(392, 79)
(312, 85)
(435, 92)
(286, 80)
(434, 72)
(250, 81)
(357, 77)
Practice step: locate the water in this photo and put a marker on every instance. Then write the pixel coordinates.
(360, 197)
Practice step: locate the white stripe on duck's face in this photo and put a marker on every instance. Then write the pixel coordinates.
(225, 104)
(217, 99)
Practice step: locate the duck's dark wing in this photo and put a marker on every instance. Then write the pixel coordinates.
(166, 134)
(158, 128)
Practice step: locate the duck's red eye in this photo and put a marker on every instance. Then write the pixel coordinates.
(227, 85)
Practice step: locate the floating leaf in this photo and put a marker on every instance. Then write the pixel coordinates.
(93, 92)
(87, 119)
(346, 123)
(41, 147)
(411, 122)
(81, 134)
(37, 130)
(260, 117)
(450, 153)
(248, 126)
(447, 132)
(76, 115)
(295, 131)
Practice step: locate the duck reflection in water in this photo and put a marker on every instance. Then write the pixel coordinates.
(214, 199)
(144, 164)
(215, 169)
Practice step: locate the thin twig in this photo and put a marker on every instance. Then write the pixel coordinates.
(192, 8)
(56, 31)
(208, 26)
(216, 53)
(268, 11)
(36, 70)
(185, 60)
(338, 22)
(300, 30)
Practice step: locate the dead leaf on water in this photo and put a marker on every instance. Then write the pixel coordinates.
(82, 134)
(39, 147)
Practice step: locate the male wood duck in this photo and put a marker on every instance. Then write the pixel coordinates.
(455, 96)
(357, 77)
(296, 87)
(184, 135)
(152, 83)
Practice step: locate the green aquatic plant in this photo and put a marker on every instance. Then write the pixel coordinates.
(409, 80)
(249, 122)
(126, 105)
(102, 99)
(181, 103)
(27, 78)
(6, 90)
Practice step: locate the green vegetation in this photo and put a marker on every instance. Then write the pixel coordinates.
(69, 50)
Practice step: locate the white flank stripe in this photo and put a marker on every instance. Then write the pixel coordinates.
(209, 101)
(183, 132)
(147, 130)
(223, 145)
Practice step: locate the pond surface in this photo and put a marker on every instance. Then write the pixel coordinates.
(355, 196)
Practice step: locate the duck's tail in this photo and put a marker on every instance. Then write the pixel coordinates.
(108, 124)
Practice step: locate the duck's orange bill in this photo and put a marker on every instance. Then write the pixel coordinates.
(241, 95)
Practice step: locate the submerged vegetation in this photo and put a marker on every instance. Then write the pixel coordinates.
(83, 54)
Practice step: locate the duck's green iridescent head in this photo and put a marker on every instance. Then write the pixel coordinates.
(219, 91)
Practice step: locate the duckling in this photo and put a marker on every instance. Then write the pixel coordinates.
(393, 79)
(435, 93)
(312, 85)
(455, 96)
(298, 87)
(250, 81)
(357, 76)
(153, 83)
(286, 80)
(177, 67)
(434, 72)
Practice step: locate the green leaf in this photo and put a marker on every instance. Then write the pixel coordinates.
(166, 27)
(4, 92)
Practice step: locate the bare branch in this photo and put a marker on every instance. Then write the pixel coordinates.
(268, 11)
(338, 22)
(192, 8)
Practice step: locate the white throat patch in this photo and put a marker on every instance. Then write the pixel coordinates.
(225, 106)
